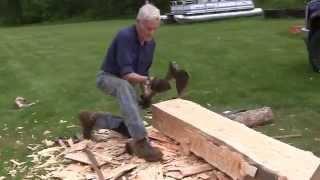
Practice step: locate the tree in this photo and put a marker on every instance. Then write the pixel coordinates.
(35, 11)
(13, 12)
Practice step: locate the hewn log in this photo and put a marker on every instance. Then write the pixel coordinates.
(240, 152)
(316, 175)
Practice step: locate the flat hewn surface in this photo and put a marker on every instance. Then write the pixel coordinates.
(272, 154)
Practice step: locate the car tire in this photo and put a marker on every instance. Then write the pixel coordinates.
(314, 50)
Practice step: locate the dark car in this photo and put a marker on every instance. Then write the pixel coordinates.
(313, 37)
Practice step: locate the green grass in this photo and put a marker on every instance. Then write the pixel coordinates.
(240, 63)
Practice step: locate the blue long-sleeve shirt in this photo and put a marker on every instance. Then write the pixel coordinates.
(126, 54)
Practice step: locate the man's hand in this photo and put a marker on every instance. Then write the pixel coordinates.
(146, 87)
(147, 93)
(135, 78)
(150, 88)
(155, 85)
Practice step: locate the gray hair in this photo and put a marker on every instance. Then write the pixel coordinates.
(148, 12)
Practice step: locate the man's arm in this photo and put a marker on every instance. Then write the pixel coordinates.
(125, 61)
(135, 78)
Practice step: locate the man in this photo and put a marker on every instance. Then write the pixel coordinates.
(126, 65)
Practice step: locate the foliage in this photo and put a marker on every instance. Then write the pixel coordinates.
(281, 3)
(34, 11)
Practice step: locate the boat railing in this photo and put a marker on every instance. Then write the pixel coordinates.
(182, 2)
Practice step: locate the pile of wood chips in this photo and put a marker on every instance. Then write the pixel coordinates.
(68, 160)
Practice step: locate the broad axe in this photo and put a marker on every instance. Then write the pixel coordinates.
(157, 85)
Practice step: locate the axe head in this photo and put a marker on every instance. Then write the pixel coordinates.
(181, 77)
(160, 85)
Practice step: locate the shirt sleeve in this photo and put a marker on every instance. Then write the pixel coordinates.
(124, 58)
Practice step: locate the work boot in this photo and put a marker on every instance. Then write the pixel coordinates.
(87, 121)
(143, 149)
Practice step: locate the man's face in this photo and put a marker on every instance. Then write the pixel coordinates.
(148, 28)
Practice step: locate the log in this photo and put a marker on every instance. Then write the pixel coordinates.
(233, 148)
(316, 175)
(253, 117)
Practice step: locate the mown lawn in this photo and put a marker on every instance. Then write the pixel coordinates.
(240, 63)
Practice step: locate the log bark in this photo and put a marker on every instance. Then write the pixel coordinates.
(238, 151)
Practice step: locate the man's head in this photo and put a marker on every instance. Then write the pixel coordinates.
(148, 21)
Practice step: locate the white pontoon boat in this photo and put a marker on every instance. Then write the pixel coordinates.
(183, 11)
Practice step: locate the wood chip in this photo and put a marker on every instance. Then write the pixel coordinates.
(169, 178)
(154, 134)
(221, 176)
(71, 126)
(79, 146)
(12, 173)
(167, 147)
(70, 142)
(51, 161)
(83, 158)
(77, 167)
(151, 173)
(61, 143)
(48, 143)
(67, 174)
(188, 171)
(21, 102)
(119, 171)
(46, 132)
(50, 151)
(16, 162)
(203, 176)
(174, 174)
